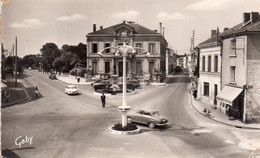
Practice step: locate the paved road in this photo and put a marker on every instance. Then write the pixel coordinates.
(76, 126)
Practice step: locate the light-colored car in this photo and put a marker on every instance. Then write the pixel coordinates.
(71, 89)
(148, 117)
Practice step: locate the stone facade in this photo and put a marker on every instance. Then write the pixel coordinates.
(134, 35)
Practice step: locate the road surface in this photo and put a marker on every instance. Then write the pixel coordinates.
(62, 126)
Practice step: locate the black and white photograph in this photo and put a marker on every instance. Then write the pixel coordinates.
(130, 79)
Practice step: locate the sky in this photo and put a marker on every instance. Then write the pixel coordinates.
(37, 22)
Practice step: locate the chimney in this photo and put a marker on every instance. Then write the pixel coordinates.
(124, 21)
(226, 28)
(254, 17)
(101, 27)
(94, 28)
(160, 28)
(246, 17)
(163, 31)
(213, 33)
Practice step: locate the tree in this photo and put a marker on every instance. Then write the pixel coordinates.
(79, 50)
(31, 60)
(58, 64)
(50, 52)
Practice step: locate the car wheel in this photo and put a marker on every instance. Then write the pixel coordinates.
(129, 120)
(151, 125)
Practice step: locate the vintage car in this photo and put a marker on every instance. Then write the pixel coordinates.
(71, 89)
(150, 118)
(52, 76)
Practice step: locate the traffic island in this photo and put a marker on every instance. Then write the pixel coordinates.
(130, 129)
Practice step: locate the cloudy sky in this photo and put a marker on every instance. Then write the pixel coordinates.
(36, 22)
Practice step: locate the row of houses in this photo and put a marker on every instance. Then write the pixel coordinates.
(229, 69)
(158, 63)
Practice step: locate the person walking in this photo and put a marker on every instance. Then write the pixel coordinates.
(78, 79)
(103, 100)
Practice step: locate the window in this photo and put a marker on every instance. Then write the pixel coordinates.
(107, 45)
(206, 89)
(94, 67)
(203, 63)
(233, 74)
(233, 46)
(216, 64)
(139, 45)
(107, 67)
(209, 63)
(139, 68)
(151, 67)
(94, 48)
(151, 48)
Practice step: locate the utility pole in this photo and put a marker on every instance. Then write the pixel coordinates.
(16, 62)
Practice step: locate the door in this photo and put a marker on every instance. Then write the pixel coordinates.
(215, 94)
(120, 69)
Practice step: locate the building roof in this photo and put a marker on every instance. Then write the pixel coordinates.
(242, 29)
(138, 29)
(237, 30)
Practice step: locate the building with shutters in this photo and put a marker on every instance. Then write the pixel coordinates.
(134, 35)
(240, 69)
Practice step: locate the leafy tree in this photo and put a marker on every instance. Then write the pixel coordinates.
(49, 52)
(31, 60)
(58, 64)
(79, 50)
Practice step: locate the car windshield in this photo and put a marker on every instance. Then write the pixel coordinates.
(155, 113)
(72, 87)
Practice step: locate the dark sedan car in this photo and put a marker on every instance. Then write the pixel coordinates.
(150, 118)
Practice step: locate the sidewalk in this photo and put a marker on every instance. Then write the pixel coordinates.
(17, 94)
(72, 80)
(220, 117)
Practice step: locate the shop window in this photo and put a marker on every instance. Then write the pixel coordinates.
(206, 89)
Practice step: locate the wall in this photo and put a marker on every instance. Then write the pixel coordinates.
(238, 60)
(253, 75)
(211, 77)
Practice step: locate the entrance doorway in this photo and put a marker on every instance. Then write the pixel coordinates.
(120, 69)
(215, 93)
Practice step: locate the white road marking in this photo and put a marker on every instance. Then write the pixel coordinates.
(198, 131)
(229, 142)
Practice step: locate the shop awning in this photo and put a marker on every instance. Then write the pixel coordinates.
(228, 94)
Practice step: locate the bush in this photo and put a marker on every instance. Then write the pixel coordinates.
(129, 127)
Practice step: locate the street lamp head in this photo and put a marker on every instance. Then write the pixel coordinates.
(100, 52)
(147, 53)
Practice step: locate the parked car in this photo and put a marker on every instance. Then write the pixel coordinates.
(71, 89)
(133, 82)
(53, 77)
(150, 118)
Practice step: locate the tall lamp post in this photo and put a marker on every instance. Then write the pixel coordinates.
(124, 51)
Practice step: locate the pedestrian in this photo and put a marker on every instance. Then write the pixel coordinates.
(103, 100)
(7, 96)
(195, 94)
(78, 79)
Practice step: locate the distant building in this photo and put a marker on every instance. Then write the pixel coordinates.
(209, 69)
(134, 35)
(240, 83)
(171, 61)
(182, 61)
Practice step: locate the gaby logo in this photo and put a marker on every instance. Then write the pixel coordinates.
(19, 141)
